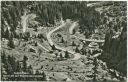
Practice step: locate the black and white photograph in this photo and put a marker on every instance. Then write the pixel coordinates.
(63, 41)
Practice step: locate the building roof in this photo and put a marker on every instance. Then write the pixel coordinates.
(93, 45)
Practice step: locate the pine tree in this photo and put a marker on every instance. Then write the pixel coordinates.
(36, 44)
(13, 63)
(66, 54)
(37, 72)
(25, 63)
(53, 47)
(73, 43)
(3, 57)
(61, 57)
(77, 50)
(83, 51)
(74, 31)
(18, 69)
(7, 34)
(44, 76)
(11, 43)
(39, 51)
(8, 66)
(95, 63)
(62, 40)
(9, 69)
(30, 70)
(56, 54)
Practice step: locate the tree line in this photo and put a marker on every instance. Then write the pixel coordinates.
(47, 13)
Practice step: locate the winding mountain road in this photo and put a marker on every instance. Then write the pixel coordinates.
(43, 47)
(89, 40)
(76, 55)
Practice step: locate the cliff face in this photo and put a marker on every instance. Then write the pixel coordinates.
(115, 51)
(115, 46)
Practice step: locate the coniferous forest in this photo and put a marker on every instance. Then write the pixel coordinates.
(64, 40)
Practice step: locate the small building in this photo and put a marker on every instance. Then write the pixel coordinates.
(95, 36)
(93, 46)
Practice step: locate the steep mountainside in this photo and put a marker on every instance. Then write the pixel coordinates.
(115, 46)
(76, 39)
